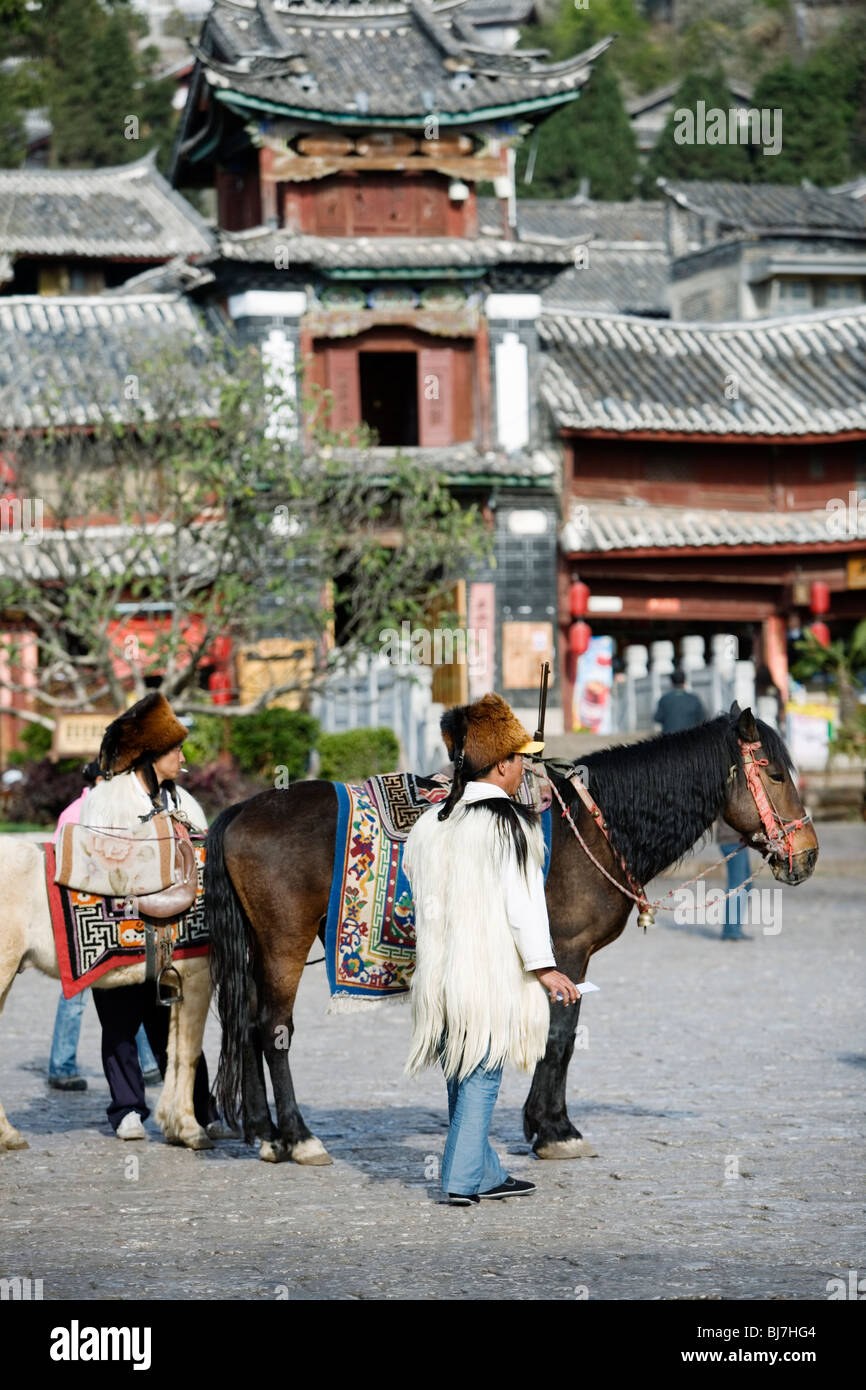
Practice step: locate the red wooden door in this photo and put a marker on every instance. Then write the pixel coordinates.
(343, 379)
(435, 396)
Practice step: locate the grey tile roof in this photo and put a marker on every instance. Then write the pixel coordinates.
(593, 526)
(466, 461)
(373, 59)
(626, 282)
(260, 246)
(65, 358)
(171, 276)
(804, 374)
(766, 206)
(106, 550)
(125, 211)
(628, 267)
(636, 223)
(481, 12)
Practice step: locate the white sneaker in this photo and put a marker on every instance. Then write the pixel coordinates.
(131, 1127)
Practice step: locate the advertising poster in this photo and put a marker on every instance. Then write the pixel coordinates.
(591, 702)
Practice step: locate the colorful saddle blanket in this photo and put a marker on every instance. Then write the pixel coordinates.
(94, 934)
(370, 927)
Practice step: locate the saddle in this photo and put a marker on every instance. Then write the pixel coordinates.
(153, 871)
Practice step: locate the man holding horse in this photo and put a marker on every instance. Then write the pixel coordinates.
(484, 962)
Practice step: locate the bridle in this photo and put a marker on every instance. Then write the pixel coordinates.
(778, 834)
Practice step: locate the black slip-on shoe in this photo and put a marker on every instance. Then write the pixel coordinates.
(456, 1199)
(512, 1187)
(67, 1083)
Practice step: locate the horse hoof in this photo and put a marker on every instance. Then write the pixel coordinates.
(199, 1141)
(218, 1129)
(273, 1151)
(14, 1141)
(312, 1153)
(566, 1148)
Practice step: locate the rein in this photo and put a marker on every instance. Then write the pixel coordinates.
(778, 836)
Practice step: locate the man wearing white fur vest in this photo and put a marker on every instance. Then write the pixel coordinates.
(484, 964)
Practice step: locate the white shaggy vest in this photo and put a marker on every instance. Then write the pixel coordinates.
(469, 980)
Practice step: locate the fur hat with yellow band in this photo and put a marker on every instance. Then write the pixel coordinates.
(479, 735)
(145, 731)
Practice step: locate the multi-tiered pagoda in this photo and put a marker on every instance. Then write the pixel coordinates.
(346, 144)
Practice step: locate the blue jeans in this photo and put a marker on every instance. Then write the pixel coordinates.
(64, 1042)
(470, 1164)
(67, 1030)
(738, 873)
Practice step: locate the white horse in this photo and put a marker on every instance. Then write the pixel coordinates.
(27, 939)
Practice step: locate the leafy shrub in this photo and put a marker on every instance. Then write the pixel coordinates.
(37, 745)
(44, 791)
(358, 753)
(205, 740)
(274, 738)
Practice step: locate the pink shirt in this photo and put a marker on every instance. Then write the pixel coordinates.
(70, 813)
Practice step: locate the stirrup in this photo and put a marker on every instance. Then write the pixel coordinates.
(168, 998)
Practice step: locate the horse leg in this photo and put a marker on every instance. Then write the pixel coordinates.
(256, 1115)
(10, 1137)
(276, 1027)
(545, 1114)
(175, 1113)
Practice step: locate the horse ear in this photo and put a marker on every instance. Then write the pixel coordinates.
(747, 729)
(735, 710)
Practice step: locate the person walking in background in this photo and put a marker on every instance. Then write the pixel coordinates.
(679, 708)
(63, 1074)
(739, 872)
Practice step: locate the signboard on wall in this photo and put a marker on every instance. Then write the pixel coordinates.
(525, 647)
(80, 735)
(481, 625)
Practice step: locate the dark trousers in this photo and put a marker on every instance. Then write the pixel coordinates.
(122, 1012)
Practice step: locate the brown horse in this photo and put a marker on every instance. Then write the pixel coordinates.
(268, 878)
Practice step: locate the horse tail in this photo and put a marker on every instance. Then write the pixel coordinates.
(232, 951)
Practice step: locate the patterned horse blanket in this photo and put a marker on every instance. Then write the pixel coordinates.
(370, 927)
(94, 934)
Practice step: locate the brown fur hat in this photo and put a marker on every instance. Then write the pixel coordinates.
(145, 731)
(485, 733)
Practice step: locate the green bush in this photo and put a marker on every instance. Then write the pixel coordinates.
(358, 753)
(37, 745)
(205, 740)
(275, 738)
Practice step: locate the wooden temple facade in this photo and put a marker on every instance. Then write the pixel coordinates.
(346, 143)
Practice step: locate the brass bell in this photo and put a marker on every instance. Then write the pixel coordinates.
(647, 918)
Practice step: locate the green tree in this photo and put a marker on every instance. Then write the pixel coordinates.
(591, 138)
(671, 159)
(815, 122)
(841, 660)
(91, 72)
(222, 525)
(640, 56)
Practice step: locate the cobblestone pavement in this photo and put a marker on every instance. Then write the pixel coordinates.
(719, 1082)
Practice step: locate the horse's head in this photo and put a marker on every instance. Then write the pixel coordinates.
(763, 802)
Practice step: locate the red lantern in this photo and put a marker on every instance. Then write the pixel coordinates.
(819, 597)
(578, 598)
(220, 650)
(579, 638)
(220, 684)
(821, 633)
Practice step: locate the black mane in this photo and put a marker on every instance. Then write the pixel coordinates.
(660, 796)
